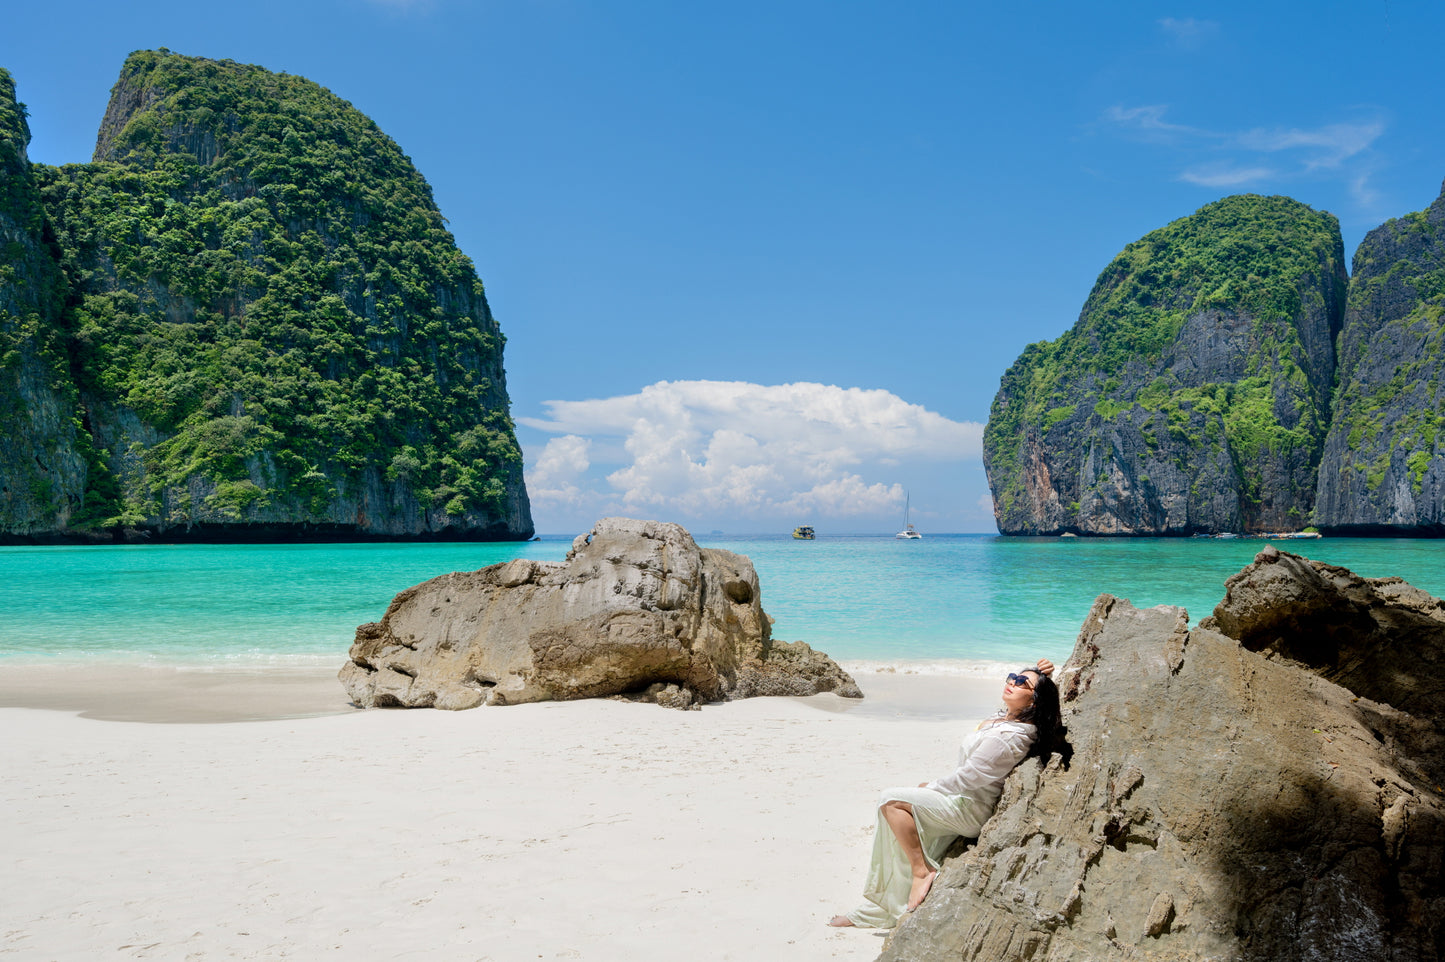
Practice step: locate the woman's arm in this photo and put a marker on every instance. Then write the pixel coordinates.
(989, 763)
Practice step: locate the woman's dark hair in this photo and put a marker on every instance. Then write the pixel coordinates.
(1044, 715)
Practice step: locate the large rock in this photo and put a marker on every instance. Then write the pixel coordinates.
(1222, 803)
(1379, 637)
(637, 607)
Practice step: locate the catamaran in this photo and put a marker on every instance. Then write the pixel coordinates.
(909, 532)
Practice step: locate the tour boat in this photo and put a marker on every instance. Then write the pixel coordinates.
(803, 532)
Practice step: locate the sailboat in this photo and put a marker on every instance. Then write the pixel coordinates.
(909, 533)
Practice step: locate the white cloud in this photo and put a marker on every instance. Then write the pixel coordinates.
(1225, 175)
(1236, 158)
(1189, 32)
(404, 6)
(707, 447)
(1363, 191)
(558, 471)
(1326, 146)
(1150, 117)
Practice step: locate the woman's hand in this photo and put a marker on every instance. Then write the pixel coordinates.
(1046, 668)
(922, 784)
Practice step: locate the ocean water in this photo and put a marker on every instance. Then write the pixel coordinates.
(945, 604)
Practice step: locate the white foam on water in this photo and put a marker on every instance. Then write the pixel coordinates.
(938, 667)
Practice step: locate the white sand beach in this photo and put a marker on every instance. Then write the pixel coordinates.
(165, 827)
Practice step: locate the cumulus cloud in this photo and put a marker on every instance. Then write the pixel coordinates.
(558, 471)
(699, 447)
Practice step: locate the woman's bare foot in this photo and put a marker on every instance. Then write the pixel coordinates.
(840, 921)
(919, 892)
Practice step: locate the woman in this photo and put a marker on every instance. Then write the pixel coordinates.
(917, 825)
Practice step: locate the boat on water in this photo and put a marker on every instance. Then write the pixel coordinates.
(804, 532)
(909, 532)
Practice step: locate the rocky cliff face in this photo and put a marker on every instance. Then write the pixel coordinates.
(42, 468)
(1269, 797)
(272, 333)
(1383, 470)
(1193, 393)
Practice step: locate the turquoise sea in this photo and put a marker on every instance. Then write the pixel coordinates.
(945, 604)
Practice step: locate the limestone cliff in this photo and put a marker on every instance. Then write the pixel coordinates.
(1193, 393)
(271, 332)
(42, 467)
(1383, 470)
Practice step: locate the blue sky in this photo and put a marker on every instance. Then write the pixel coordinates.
(762, 264)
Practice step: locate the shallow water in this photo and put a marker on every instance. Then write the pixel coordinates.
(947, 603)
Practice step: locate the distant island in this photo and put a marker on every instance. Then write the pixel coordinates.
(245, 319)
(1226, 375)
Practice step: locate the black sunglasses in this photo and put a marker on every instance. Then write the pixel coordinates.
(1020, 681)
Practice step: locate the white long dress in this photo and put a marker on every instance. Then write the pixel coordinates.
(950, 807)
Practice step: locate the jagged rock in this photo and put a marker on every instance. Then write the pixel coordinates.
(636, 604)
(1192, 395)
(1222, 803)
(1381, 638)
(1383, 471)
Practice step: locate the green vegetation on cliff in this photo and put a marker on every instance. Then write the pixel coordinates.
(44, 452)
(32, 291)
(1383, 465)
(269, 320)
(1208, 340)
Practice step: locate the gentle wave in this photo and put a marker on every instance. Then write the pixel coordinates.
(948, 668)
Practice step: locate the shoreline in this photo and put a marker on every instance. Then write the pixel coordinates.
(591, 829)
(215, 694)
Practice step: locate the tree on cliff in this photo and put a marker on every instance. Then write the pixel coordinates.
(269, 323)
(1193, 393)
(1383, 468)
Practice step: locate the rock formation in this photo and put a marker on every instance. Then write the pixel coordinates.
(1193, 393)
(636, 608)
(268, 331)
(1230, 798)
(1383, 469)
(42, 468)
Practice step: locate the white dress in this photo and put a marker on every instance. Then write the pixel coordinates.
(950, 807)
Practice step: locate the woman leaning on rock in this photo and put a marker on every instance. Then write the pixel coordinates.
(917, 825)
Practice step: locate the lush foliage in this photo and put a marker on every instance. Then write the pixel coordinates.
(43, 460)
(1267, 260)
(1389, 408)
(264, 279)
(31, 290)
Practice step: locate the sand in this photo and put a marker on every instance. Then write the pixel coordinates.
(579, 830)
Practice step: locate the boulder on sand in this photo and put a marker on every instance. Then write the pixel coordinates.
(1222, 803)
(637, 608)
